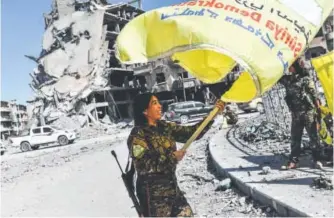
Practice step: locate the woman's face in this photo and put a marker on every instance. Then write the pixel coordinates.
(153, 112)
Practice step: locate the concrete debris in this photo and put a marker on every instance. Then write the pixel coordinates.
(322, 182)
(279, 178)
(199, 179)
(263, 131)
(70, 122)
(265, 170)
(224, 185)
(93, 131)
(262, 136)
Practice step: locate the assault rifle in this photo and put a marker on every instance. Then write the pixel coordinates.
(128, 182)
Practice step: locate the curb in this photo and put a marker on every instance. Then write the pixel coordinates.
(281, 208)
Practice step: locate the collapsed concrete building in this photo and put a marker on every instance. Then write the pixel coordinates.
(77, 71)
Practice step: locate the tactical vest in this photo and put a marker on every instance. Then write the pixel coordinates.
(297, 97)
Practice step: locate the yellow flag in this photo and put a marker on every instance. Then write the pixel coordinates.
(323, 66)
(208, 37)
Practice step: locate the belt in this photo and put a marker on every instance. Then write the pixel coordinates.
(157, 177)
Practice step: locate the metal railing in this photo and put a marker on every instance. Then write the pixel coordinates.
(276, 109)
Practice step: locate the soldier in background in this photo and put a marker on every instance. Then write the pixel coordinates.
(230, 115)
(302, 102)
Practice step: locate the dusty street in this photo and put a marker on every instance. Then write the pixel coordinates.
(83, 180)
(77, 180)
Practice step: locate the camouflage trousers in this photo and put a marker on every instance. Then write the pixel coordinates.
(231, 118)
(162, 199)
(307, 120)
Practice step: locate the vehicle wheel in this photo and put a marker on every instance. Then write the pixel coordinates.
(184, 119)
(62, 140)
(260, 108)
(35, 147)
(25, 146)
(71, 141)
(2, 153)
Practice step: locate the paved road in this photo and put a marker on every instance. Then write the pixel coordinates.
(83, 179)
(87, 185)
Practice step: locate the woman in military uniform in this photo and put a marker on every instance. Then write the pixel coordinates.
(152, 145)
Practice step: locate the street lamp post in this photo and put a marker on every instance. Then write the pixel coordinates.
(184, 89)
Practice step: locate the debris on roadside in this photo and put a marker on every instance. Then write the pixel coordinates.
(265, 170)
(279, 178)
(263, 136)
(322, 182)
(224, 185)
(209, 193)
(263, 131)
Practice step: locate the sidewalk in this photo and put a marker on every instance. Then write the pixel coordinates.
(288, 192)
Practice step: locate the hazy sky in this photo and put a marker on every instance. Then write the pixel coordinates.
(22, 27)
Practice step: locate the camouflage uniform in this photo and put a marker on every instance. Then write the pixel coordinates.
(231, 117)
(152, 150)
(301, 98)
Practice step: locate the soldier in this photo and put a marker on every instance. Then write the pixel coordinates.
(152, 145)
(231, 116)
(302, 102)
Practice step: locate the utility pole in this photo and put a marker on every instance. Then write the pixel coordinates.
(184, 89)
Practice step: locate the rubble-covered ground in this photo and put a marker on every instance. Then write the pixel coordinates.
(263, 136)
(206, 190)
(266, 137)
(82, 179)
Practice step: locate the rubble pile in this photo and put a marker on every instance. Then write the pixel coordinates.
(263, 136)
(209, 194)
(70, 122)
(92, 131)
(322, 182)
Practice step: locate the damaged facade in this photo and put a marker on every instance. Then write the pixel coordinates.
(77, 71)
(13, 119)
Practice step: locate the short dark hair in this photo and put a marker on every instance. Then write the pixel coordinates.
(140, 104)
(299, 69)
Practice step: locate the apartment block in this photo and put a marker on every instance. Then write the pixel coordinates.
(14, 118)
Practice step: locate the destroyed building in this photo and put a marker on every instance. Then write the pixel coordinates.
(77, 71)
(13, 119)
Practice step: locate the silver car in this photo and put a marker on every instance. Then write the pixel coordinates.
(184, 112)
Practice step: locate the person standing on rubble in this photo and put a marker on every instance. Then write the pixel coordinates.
(302, 102)
(152, 146)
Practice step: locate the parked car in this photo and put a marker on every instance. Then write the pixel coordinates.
(254, 105)
(183, 112)
(3, 148)
(41, 136)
